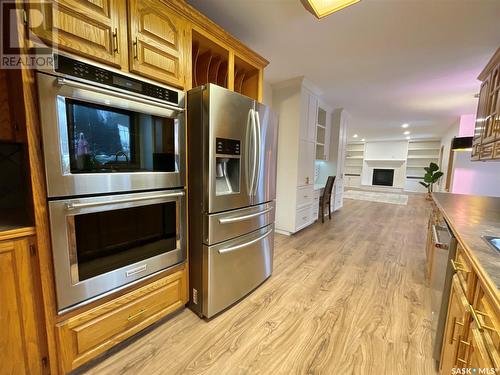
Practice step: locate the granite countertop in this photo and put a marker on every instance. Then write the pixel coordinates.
(471, 217)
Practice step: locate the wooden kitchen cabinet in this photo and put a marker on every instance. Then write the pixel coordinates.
(7, 128)
(487, 128)
(90, 28)
(157, 42)
(476, 355)
(85, 336)
(456, 329)
(22, 336)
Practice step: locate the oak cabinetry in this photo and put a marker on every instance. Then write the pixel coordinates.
(215, 62)
(22, 338)
(455, 330)
(487, 128)
(89, 334)
(157, 42)
(94, 29)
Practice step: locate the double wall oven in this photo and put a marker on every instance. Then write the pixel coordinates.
(115, 165)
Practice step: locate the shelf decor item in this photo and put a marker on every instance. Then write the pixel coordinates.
(432, 175)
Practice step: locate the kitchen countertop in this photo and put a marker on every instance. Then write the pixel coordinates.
(319, 186)
(471, 217)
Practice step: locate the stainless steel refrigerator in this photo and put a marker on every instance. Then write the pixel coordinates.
(232, 148)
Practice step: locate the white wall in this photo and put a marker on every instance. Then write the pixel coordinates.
(386, 150)
(267, 94)
(446, 145)
(475, 177)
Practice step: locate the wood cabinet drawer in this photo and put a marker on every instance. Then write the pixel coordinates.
(87, 335)
(486, 151)
(496, 151)
(463, 269)
(303, 217)
(305, 195)
(486, 317)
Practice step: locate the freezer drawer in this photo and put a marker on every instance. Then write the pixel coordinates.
(231, 224)
(236, 267)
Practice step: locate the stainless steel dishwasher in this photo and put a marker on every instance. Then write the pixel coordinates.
(444, 246)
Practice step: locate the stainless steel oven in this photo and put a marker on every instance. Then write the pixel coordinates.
(106, 242)
(107, 132)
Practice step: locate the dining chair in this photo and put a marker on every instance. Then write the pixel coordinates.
(326, 198)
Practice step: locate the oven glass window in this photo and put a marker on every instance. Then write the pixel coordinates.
(108, 240)
(104, 139)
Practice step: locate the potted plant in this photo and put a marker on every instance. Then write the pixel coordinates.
(432, 175)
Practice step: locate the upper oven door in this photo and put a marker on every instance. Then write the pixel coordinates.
(102, 141)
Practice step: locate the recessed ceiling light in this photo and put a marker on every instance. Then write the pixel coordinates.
(363, 140)
(405, 125)
(407, 137)
(406, 132)
(322, 8)
(355, 136)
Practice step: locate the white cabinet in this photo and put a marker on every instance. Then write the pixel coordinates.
(309, 107)
(340, 123)
(323, 131)
(312, 117)
(306, 163)
(297, 105)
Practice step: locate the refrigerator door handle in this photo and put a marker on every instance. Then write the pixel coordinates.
(244, 217)
(240, 246)
(258, 147)
(250, 155)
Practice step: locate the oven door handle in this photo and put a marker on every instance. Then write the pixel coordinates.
(74, 206)
(116, 92)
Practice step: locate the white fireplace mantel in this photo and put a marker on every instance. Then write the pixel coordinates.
(399, 166)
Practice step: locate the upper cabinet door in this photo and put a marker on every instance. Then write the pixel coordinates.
(157, 42)
(96, 29)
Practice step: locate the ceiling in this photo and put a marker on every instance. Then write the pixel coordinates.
(387, 62)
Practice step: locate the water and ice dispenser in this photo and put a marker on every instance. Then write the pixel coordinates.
(227, 166)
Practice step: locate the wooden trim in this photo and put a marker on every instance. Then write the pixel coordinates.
(494, 61)
(17, 233)
(205, 23)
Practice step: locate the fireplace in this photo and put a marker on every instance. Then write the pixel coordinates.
(383, 177)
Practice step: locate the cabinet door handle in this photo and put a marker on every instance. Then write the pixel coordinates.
(480, 326)
(136, 315)
(455, 322)
(461, 360)
(136, 49)
(458, 266)
(307, 180)
(115, 41)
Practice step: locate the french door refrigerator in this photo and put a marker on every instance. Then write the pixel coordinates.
(232, 150)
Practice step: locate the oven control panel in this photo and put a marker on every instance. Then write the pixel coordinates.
(74, 68)
(227, 146)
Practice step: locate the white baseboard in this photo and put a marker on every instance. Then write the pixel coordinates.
(279, 231)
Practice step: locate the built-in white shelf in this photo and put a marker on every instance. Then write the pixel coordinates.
(354, 157)
(423, 149)
(423, 156)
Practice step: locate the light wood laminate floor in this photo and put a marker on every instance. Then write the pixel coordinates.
(346, 297)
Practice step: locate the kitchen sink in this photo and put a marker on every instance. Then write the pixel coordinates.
(493, 241)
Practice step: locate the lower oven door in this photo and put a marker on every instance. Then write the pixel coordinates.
(103, 243)
(235, 267)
